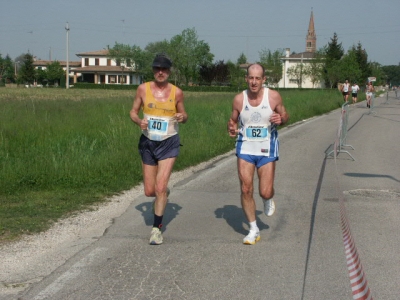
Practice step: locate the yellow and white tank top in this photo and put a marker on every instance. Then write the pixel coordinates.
(160, 115)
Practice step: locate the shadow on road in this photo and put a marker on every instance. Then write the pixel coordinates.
(171, 211)
(235, 218)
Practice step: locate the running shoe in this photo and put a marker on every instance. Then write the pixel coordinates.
(252, 238)
(269, 207)
(156, 236)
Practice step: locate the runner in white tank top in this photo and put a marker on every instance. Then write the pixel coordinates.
(256, 134)
(257, 111)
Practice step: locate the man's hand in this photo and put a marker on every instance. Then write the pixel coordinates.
(232, 128)
(180, 118)
(276, 119)
(144, 123)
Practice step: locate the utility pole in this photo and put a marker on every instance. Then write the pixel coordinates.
(67, 71)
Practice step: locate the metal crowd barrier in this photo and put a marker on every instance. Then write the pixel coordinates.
(340, 141)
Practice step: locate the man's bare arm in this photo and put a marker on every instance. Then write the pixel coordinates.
(280, 116)
(137, 104)
(236, 108)
(181, 115)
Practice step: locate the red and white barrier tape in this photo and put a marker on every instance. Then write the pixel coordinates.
(358, 280)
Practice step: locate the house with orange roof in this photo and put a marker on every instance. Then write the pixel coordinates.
(97, 67)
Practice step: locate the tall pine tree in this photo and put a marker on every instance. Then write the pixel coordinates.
(362, 60)
(334, 53)
(27, 71)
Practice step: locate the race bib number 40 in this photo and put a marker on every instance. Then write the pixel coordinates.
(158, 125)
(257, 133)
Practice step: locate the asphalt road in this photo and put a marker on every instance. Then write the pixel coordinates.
(301, 252)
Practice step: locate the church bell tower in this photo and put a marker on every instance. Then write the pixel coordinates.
(311, 40)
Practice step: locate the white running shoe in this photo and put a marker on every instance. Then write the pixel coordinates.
(156, 236)
(252, 238)
(269, 207)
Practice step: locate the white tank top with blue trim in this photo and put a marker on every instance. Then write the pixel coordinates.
(257, 136)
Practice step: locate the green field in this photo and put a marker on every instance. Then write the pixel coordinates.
(64, 150)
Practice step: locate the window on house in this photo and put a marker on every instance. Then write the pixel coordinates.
(122, 79)
(96, 61)
(112, 78)
(86, 62)
(108, 62)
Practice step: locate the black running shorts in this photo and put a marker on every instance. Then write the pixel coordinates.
(154, 151)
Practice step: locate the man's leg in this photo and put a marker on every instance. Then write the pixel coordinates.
(161, 184)
(149, 179)
(156, 181)
(266, 175)
(246, 174)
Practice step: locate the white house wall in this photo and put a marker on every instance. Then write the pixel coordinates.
(285, 80)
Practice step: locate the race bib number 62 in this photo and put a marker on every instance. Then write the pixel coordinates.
(257, 132)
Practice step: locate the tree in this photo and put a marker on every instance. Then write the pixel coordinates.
(207, 74)
(335, 50)
(334, 75)
(158, 47)
(132, 57)
(27, 71)
(54, 72)
(188, 54)
(221, 72)
(349, 67)
(2, 79)
(7, 72)
(316, 67)
(41, 76)
(377, 72)
(299, 73)
(217, 72)
(362, 60)
(334, 53)
(392, 74)
(242, 59)
(236, 75)
(273, 65)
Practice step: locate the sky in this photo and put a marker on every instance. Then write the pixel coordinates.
(229, 27)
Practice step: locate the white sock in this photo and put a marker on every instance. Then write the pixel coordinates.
(253, 226)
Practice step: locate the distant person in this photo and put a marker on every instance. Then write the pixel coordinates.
(163, 108)
(354, 91)
(258, 111)
(368, 92)
(345, 90)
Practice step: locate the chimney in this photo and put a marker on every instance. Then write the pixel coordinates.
(287, 52)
